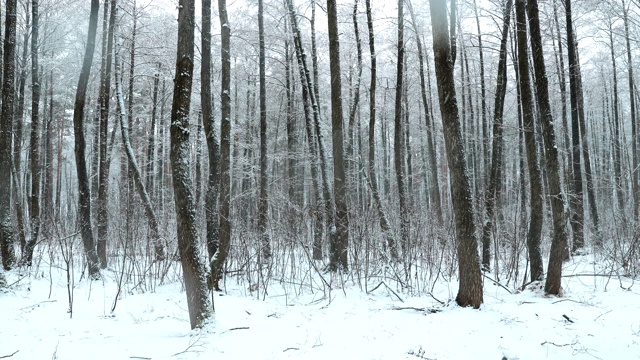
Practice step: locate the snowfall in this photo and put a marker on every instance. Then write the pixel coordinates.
(597, 317)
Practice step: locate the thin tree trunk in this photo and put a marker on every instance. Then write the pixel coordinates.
(102, 215)
(398, 139)
(222, 249)
(211, 198)
(373, 177)
(577, 216)
(470, 288)
(36, 170)
(434, 188)
(632, 106)
(263, 200)
(340, 243)
(137, 174)
(495, 177)
(617, 157)
(193, 270)
(84, 193)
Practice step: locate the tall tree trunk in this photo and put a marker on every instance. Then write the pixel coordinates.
(470, 288)
(495, 177)
(632, 106)
(149, 173)
(211, 198)
(434, 187)
(593, 208)
(398, 139)
(535, 178)
(341, 241)
(102, 215)
(373, 177)
(137, 174)
(577, 204)
(262, 200)
(222, 249)
(36, 170)
(483, 101)
(311, 109)
(559, 241)
(6, 124)
(84, 193)
(353, 167)
(563, 95)
(617, 156)
(193, 270)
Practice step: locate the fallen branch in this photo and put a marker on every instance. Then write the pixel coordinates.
(424, 310)
(558, 345)
(7, 356)
(497, 283)
(388, 288)
(139, 357)
(291, 348)
(566, 317)
(239, 328)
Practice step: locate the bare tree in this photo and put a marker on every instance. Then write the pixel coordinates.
(340, 244)
(193, 270)
(34, 146)
(470, 288)
(84, 192)
(493, 188)
(262, 199)
(222, 248)
(102, 225)
(535, 177)
(559, 241)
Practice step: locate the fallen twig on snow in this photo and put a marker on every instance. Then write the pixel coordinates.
(559, 345)
(291, 348)
(7, 356)
(498, 283)
(388, 288)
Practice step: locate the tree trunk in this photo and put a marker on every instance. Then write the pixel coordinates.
(262, 200)
(373, 177)
(535, 178)
(103, 181)
(577, 204)
(559, 241)
(34, 148)
(84, 193)
(398, 138)
(434, 188)
(6, 124)
(470, 288)
(193, 270)
(341, 241)
(211, 198)
(634, 131)
(617, 156)
(222, 247)
(495, 177)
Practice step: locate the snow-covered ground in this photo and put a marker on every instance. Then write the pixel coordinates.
(597, 318)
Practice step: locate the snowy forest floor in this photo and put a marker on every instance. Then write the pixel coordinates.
(597, 318)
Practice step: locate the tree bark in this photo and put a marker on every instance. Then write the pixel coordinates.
(470, 288)
(373, 177)
(434, 188)
(84, 193)
(632, 106)
(102, 215)
(34, 147)
(211, 198)
(263, 200)
(535, 177)
(193, 270)
(6, 124)
(559, 241)
(222, 249)
(493, 188)
(340, 243)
